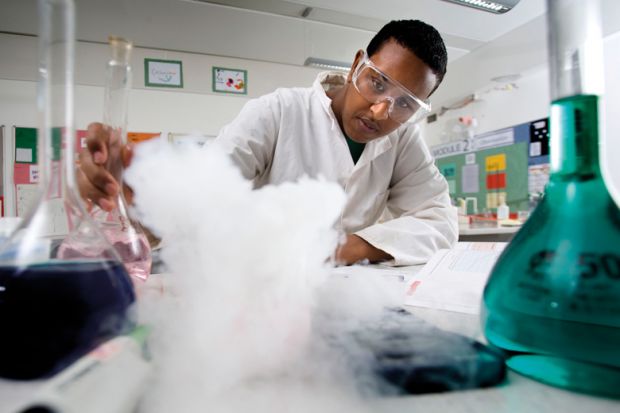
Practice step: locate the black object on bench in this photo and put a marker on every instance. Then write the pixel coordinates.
(406, 355)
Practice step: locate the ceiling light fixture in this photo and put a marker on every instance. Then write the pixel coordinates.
(327, 64)
(510, 78)
(492, 6)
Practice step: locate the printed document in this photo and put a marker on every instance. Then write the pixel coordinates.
(454, 279)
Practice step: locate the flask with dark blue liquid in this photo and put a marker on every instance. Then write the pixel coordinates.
(54, 310)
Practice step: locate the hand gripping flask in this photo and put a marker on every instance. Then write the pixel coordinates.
(553, 298)
(54, 309)
(126, 236)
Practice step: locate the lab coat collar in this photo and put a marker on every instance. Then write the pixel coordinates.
(326, 102)
(374, 148)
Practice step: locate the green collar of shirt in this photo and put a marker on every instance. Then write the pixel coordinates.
(355, 148)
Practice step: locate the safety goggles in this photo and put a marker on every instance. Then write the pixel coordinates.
(376, 87)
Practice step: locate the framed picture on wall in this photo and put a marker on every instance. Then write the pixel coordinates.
(227, 80)
(163, 73)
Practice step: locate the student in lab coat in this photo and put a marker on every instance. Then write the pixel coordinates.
(359, 133)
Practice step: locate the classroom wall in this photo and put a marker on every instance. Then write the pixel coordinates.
(193, 109)
(197, 108)
(496, 106)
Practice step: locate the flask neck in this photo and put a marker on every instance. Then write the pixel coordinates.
(116, 102)
(574, 138)
(120, 50)
(56, 165)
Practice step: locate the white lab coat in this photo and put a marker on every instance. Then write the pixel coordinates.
(292, 133)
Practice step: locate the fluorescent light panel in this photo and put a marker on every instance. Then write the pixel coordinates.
(327, 64)
(497, 6)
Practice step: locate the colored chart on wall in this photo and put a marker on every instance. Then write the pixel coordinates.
(496, 173)
(26, 145)
(25, 169)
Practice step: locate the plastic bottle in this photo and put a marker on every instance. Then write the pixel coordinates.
(503, 210)
(553, 298)
(53, 310)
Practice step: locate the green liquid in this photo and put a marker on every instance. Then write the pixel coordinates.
(553, 298)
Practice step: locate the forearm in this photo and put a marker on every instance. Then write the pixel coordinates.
(413, 240)
(357, 249)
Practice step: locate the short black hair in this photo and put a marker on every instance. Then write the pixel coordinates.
(421, 38)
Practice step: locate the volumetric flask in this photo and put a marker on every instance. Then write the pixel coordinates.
(553, 298)
(54, 309)
(126, 236)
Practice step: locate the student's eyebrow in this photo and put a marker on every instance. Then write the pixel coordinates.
(386, 79)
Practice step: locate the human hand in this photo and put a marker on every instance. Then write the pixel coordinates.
(356, 249)
(101, 165)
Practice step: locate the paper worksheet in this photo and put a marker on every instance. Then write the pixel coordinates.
(454, 279)
(27, 196)
(469, 180)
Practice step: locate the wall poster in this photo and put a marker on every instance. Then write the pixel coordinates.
(227, 80)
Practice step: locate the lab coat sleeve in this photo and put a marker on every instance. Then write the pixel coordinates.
(251, 137)
(425, 221)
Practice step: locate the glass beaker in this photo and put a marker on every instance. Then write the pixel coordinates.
(553, 298)
(126, 236)
(53, 310)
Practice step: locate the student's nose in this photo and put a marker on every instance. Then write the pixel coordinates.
(381, 110)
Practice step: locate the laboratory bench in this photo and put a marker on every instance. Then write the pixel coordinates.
(515, 394)
(498, 233)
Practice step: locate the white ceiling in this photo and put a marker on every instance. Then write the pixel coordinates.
(480, 45)
(448, 18)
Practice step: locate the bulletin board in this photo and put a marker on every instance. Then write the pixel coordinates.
(511, 162)
(488, 174)
(25, 169)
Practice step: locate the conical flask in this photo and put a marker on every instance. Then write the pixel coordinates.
(553, 298)
(126, 236)
(52, 309)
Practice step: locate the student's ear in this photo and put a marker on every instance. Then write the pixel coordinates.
(358, 58)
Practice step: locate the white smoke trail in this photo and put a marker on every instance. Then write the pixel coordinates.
(234, 331)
